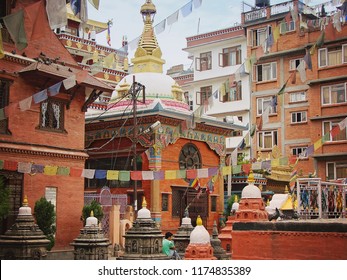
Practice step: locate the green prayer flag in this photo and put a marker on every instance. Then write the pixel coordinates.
(124, 176)
(15, 26)
(283, 88)
(320, 40)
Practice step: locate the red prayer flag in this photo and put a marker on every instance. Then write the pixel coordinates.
(136, 175)
(192, 173)
(10, 165)
(76, 172)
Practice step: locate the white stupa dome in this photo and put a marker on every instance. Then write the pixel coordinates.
(25, 210)
(158, 87)
(199, 235)
(91, 221)
(144, 213)
(251, 190)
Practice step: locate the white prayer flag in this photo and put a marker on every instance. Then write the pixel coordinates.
(69, 82)
(56, 13)
(25, 104)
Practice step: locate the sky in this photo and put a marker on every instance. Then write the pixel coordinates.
(210, 16)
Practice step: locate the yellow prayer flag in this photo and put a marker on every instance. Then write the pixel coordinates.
(318, 144)
(170, 174)
(50, 170)
(313, 49)
(276, 33)
(112, 175)
(2, 52)
(226, 170)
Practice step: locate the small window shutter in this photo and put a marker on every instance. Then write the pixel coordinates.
(198, 98)
(221, 60)
(197, 64)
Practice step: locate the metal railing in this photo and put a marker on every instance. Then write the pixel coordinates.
(318, 199)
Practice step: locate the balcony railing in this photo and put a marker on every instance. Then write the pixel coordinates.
(317, 199)
(260, 13)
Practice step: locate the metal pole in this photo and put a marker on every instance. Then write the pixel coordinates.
(134, 140)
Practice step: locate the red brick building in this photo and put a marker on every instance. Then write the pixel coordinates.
(298, 65)
(42, 135)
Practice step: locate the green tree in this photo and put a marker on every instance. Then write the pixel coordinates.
(45, 219)
(97, 210)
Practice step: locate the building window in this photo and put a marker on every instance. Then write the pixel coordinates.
(263, 103)
(299, 117)
(267, 139)
(266, 72)
(203, 95)
(287, 27)
(299, 152)
(233, 93)
(294, 63)
(230, 56)
(4, 101)
(258, 37)
(164, 202)
(5, 9)
(332, 56)
(297, 96)
(334, 94)
(189, 157)
(52, 115)
(340, 136)
(336, 170)
(204, 62)
(213, 203)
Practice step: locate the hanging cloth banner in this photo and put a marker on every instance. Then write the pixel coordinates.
(112, 175)
(172, 18)
(56, 13)
(187, 9)
(15, 26)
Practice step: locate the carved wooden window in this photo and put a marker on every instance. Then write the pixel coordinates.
(189, 157)
(52, 115)
(4, 101)
(165, 202)
(213, 203)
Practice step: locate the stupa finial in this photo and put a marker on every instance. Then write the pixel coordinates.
(236, 199)
(144, 203)
(251, 177)
(198, 221)
(25, 201)
(92, 213)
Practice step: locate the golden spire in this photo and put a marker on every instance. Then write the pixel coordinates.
(251, 177)
(268, 202)
(198, 221)
(92, 213)
(236, 199)
(286, 189)
(25, 201)
(148, 54)
(144, 203)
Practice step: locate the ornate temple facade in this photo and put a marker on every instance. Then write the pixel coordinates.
(149, 120)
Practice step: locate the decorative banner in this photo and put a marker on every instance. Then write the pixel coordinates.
(112, 175)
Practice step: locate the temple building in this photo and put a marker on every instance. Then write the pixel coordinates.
(149, 132)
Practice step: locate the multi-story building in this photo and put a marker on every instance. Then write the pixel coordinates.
(220, 82)
(44, 94)
(297, 57)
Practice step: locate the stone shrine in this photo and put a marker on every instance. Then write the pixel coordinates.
(144, 240)
(24, 240)
(199, 247)
(91, 243)
(182, 236)
(218, 251)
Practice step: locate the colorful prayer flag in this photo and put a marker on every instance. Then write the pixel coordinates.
(64, 171)
(112, 175)
(108, 35)
(88, 173)
(40, 96)
(170, 174)
(136, 175)
(15, 26)
(24, 167)
(124, 176)
(192, 173)
(172, 18)
(2, 52)
(147, 175)
(56, 13)
(95, 3)
(54, 89)
(187, 9)
(100, 174)
(50, 170)
(25, 104)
